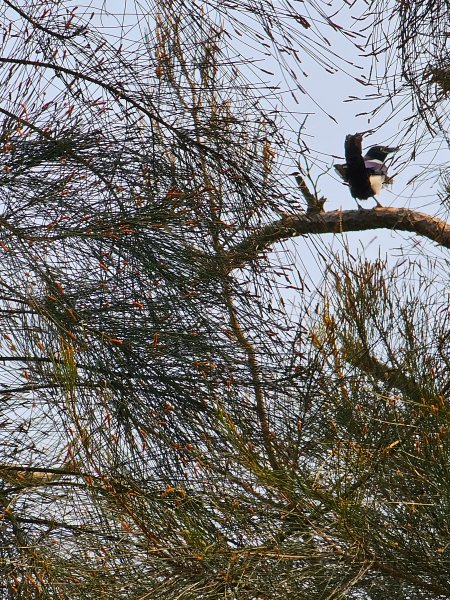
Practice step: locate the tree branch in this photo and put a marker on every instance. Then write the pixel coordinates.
(338, 222)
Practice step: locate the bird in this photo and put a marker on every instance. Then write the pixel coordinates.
(366, 174)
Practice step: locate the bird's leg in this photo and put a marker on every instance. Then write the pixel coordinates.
(378, 204)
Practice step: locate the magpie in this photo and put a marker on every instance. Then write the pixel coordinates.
(366, 174)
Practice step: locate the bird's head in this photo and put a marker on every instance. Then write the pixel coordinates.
(379, 152)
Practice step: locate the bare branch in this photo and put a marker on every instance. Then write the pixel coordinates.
(337, 221)
(315, 204)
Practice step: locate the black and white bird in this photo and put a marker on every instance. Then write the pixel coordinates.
(365, 175)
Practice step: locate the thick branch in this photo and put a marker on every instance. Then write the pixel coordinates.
(397, 219)
(362, 359)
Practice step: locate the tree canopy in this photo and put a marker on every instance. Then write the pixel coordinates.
(187, 411)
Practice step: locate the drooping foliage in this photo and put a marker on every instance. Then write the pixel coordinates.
(178, 421)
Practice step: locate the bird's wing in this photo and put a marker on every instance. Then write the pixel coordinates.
(375, 167)
(341, 171)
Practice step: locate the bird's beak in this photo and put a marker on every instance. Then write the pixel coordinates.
(389, 150)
